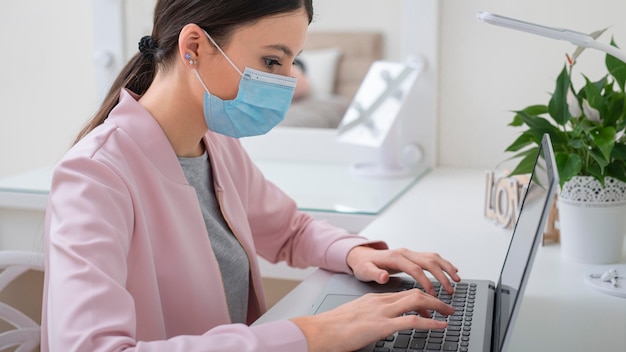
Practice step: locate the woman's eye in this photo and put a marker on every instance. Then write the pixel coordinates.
(270, 63)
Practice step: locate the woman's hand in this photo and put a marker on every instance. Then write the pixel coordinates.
(369, 264)
(370, 318)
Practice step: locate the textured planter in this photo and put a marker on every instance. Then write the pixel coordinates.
(592, 220)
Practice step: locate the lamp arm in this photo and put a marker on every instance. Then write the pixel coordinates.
(609, 49)
(576, 38)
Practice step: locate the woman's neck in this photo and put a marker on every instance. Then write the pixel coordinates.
(178, 111)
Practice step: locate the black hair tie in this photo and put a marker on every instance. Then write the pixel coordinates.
(147, 46)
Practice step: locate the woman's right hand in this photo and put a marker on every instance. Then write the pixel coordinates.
(370, 318)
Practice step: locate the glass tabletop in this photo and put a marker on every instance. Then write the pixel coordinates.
(334, 188)
(37, 181)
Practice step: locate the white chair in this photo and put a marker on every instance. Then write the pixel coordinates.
(24, 334)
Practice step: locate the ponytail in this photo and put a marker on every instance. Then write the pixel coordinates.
(136, 76)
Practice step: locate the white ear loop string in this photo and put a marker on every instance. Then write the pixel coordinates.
(195, 70)
(200, 79)
(223, 53)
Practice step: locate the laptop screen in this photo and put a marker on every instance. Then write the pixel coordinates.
(524, 242)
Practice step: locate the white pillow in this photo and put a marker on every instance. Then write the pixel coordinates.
(321, 69)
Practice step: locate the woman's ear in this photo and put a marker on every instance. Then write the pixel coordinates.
(190, 41)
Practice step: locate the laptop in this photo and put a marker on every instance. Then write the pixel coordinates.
(485, 311)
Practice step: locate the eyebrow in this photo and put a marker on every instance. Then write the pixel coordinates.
(285, 49)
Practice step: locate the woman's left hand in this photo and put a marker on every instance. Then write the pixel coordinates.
(369, 264)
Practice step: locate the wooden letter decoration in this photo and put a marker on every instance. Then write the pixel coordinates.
(502, 198)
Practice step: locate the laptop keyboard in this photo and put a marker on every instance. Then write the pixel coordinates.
(455, 337)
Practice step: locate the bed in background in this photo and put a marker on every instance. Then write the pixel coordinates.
(335, 64)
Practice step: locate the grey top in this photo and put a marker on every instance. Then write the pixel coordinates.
(231, 256)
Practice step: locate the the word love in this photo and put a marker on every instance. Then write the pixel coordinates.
(502, 198)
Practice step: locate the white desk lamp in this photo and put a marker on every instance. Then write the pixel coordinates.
(576, 38)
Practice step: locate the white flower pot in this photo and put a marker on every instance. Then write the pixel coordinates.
(592, 220)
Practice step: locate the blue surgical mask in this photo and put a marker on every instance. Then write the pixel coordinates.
(261, 103)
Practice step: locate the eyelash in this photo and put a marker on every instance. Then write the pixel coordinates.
(271, 62)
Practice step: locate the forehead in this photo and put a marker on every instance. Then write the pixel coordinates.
(285, 30)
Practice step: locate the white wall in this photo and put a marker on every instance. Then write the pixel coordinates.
(46, 80)
(48, 90)
(487, 71)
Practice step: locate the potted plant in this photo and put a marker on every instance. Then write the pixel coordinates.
(586, 126)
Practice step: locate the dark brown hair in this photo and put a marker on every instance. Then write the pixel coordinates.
(218, 17)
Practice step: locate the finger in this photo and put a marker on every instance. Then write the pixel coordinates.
(401, 261)
(424, 312)
(418, 274)
(419, 322)
(406, 322)
(416, 300)
(443, 279)
(371, 272)
(383, 277)
(454, 273)
(433, 303)
(451, 271)
(438, 267)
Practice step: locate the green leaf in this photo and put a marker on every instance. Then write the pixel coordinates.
(569, 165)
(558, 107)
(527, 163)
(617, 170)
(616, 68)
(533, 110)
(619, 152)
(621, 123)
(604, 138)
(535, 122)
(536, 109)
(576, 143)
(517, 121)
(522, 141)
(597, 172)
(615, 108)
(593, 93)
(539, 126)
(599, 159)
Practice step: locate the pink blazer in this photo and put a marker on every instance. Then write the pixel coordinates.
(129, 265)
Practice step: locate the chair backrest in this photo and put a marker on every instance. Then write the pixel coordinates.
(23, 332)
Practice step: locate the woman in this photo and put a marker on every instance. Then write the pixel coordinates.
(156, 214)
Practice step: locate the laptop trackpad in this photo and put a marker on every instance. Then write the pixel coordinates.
(332, 301)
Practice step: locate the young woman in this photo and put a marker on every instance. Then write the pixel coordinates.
(157, 215)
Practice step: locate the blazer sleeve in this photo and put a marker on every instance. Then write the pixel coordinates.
(278, 336)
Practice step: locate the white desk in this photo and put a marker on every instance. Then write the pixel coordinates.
(444, 213)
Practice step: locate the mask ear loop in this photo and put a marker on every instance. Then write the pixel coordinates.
(201, 81)
(193, 62)
(223, 53)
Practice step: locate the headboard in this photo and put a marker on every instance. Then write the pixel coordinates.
(335, 64)
(358, 51)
